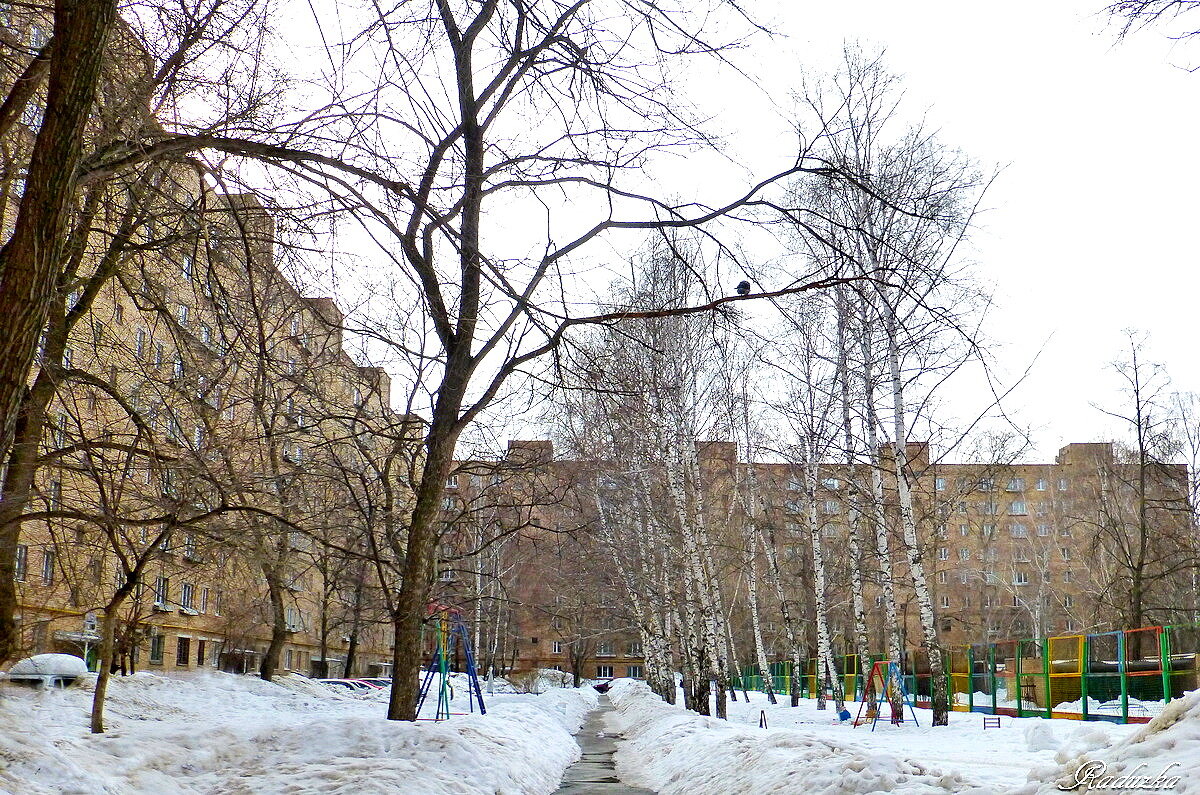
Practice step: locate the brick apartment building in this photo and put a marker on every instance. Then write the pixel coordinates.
(1010, 549)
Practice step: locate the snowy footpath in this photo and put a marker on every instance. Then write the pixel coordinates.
(219, 733)
(595, 772)
(676, 752)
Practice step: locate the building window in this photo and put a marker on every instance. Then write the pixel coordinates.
(989, 529)
(1043, 530)
(556, 647)
(1067, 575)
(452, 482)
(942, 577)
(945, 601)
(964, 553)
(1062, 484)
(964, 529)
(47, 567)
(181, 313)
(832, 507)
(943, 553)
(157, 645)
(1017, 508)
(1070, 625)
(1041, 484)
(162, 589)
(186, 267)
(1016, 601)
(1065, 552)
(633, 671)
(831, 483)
(987, 484)
(1020, 578)
(939, 484)
(183, 651)
(217, 599)
(22, 562)
(964, 577)
(449, 503)
(200, 652)
(604, 672)
(1016, 484)
(1018, 530)
(635, 649)
(604, 649)
(1068, 601)
(203, 600)
(989, 508)
(187, 596)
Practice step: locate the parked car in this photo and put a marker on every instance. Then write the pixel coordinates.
(379, 681)
(345, 684)
(371, 683)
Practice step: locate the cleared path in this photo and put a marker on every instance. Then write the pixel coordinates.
(595, 773)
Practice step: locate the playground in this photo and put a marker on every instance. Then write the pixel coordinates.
(1125, 676)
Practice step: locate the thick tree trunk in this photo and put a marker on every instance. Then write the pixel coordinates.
(413, 598)
(27, 260)
(279, 630)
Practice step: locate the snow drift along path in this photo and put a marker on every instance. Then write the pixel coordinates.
(218, 733)
(677, 752)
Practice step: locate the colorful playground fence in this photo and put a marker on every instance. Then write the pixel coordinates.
(1123, 676)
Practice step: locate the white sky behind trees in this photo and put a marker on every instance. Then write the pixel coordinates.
(1090, 228)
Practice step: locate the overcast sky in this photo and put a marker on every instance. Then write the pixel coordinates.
(1091, 227)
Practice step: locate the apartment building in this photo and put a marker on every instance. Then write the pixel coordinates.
(205, 430)
(515, 557)
(1009, 549)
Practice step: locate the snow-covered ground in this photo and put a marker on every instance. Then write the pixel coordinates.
(219, 733)
(807, 750)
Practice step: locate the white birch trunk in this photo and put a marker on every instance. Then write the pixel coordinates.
(909, 526)
(882, 544)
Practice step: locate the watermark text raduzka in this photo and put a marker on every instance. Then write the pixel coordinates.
(1094, 775)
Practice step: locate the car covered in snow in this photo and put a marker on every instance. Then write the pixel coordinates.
(47, 670)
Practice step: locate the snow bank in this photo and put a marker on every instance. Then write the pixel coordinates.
(676, 752)
(238, 734)
(1169, 744)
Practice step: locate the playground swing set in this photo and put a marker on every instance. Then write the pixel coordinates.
(890, 684)
(449, 631)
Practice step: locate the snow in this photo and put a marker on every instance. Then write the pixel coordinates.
(49, 665)
(809, 750)
(674, 752)
(217, 732)
(1169, 744)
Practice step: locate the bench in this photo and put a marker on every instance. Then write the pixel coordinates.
(991, 721)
